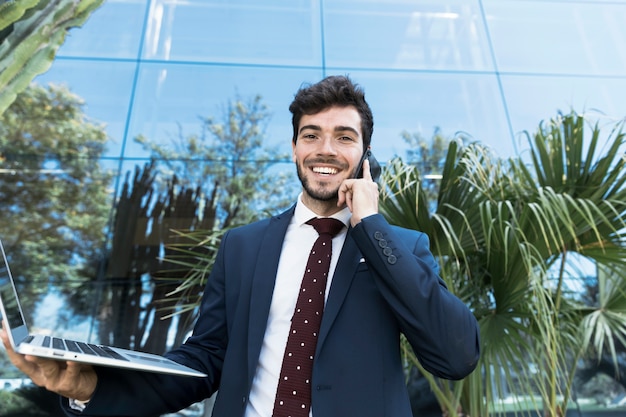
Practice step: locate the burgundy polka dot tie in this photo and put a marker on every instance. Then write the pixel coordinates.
(293, 397)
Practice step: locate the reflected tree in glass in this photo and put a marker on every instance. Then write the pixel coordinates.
(173, 212)
(54, 198)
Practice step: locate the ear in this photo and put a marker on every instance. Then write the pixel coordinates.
(293, 151)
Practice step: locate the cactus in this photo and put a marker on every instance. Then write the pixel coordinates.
(31, 32)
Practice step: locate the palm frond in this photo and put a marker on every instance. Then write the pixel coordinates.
(497, 229)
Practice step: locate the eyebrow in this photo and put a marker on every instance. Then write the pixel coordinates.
(337, 128)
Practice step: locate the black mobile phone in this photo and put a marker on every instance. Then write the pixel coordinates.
(374, 166)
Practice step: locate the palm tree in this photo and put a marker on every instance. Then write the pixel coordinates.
(504, 233)
(31, 31)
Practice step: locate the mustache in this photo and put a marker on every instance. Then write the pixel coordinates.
(326, 161)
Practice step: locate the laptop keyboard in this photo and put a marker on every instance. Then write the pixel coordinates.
(78, 347)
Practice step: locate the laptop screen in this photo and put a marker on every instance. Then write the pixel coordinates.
(8, 296)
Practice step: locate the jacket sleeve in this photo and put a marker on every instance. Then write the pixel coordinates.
(439, 326)
(145, 394)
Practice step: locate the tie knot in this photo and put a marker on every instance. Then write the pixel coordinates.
(326, 225)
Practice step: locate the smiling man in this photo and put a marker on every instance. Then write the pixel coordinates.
(275, 343)
(327, 149)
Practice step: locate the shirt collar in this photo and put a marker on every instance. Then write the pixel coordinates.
(303, 214)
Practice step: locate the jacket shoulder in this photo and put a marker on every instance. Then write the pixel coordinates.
(259, 227)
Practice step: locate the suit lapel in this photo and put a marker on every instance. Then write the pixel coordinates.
(263, 281)
(264, 278)
(342, 279)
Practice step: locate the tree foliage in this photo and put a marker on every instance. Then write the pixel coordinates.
(229, 160)
(53, 192)
(504, 232)
(428, 156)
(136, 280)
(200, 185)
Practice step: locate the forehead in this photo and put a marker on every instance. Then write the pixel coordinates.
(333, 118)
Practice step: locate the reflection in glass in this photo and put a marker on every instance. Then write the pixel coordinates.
(406, 35)
(235, 31)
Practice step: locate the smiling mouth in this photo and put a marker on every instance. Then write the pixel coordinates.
(325, 170)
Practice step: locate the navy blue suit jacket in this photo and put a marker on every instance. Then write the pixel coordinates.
(385, 283)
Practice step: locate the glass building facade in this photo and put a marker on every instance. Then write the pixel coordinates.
(486, 69)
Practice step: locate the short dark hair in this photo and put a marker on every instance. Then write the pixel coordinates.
(335, 90)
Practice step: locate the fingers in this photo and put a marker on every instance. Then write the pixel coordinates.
(344, 194)
(367, 174)
(73, 369)
(5, 338)
(48, 369)
(16, 359)
(360, 195)
(26, 364)
(69, 379)
(86, 385)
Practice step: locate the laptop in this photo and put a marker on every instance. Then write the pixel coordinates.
(58, 348)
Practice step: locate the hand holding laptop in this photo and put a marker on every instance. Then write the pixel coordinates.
(60, 349)
(69, 379)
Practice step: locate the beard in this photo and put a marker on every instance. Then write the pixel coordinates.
(322, 194)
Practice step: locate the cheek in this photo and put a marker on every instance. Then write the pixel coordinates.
(356, 159)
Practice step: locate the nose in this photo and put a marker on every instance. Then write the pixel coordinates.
(326, 146)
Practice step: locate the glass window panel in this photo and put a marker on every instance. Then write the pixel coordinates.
(558, 37)
(533, 99)
(420, 103)
(106, 88)
(113, 31)
(405, 34)
(172, 97)
(400, 102)
(50, 316)
(235, 31)
(127, 170)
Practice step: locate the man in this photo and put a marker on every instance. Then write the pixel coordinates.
(382, 282)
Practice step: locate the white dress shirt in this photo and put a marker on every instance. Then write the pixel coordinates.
(298, 242)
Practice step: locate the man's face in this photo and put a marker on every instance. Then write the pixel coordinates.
(327, 151)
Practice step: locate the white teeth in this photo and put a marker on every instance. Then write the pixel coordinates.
(324, 170)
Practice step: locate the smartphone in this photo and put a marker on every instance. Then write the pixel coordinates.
(374, 166)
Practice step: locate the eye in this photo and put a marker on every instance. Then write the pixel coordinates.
(346, 139)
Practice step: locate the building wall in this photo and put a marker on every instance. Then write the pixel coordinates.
(488, 68)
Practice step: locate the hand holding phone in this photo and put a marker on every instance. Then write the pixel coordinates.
(361, 196)
(374, 166)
